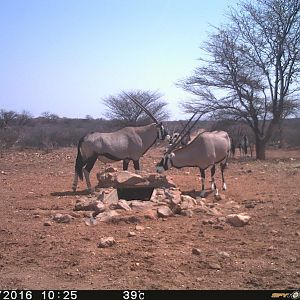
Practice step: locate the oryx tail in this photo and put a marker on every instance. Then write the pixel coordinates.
(79, 161)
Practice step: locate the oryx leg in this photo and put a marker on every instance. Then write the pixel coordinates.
(136, 164)
(212, 172)
(87, 169)
(125, 164)
(75, 182)
(202, 172)
(223, 166)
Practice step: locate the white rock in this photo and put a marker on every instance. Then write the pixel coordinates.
(139, 228)
(122, 204)
(140, 205)
(196, 251)
(237, 220)
(131, 234)
(87, 204)
(164, 212)
(106, 242)
(106, 216)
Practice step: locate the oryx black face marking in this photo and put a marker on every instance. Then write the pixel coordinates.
(162, 132)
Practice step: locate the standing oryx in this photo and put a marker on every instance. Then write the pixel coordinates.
(129, 143)
(206, 150)
(244, 145)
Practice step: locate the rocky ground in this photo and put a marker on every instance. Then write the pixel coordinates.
(51, 238)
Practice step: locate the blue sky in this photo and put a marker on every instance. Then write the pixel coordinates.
(65, 56)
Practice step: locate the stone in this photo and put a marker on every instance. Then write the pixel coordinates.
(90, 221)
(220, 197)
(164, 212)
(140, 205)
(60, 218)
(111, 170)
(106, 242)
(213, 212)
(249, 205)
(111, 198)
(187, 213)
(196, 251)
(231, 204)
(150, 214)
(122, 204)
(129, 179)
(159, 181)
(224, 254)
(153, 196)
(89, 205)
(75, 214)
(214, 266)
(187, 202)
(106, 216)
(237, 220)
(105, 179)
(218, 226)
(139, 228)
(131, 234)
(187, 198)
(174, 196)
(47, 223)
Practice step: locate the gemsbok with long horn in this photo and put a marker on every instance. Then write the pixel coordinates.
(127, 144)
(206, 150)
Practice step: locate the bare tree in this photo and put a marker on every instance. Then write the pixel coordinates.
(7, 118)
(253, 67)
(121, 107)
(49, 116)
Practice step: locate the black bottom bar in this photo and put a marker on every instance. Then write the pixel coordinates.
(147, 294)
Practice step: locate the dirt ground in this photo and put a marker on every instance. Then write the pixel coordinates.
(264, 254)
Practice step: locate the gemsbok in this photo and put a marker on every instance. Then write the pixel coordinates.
(206, 150)
(244, 145)
(128, 143)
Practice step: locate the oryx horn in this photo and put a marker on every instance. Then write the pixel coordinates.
(142, 107)
(181, 136)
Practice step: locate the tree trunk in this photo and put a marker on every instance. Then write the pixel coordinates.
(260, 147)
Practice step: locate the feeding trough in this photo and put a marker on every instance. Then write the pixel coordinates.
(142, 193)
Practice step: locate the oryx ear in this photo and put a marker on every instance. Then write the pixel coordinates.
(171, 155)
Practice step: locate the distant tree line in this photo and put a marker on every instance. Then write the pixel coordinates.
(21, 130)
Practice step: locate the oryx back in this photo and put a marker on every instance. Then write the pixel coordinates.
(128, 142)
(205, 150)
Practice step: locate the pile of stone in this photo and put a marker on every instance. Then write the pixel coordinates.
(166, 201)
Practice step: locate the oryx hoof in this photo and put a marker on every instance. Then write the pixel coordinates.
(90, 190)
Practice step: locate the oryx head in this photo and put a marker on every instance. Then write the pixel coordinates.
(184, 136)
(173, 138)
(165, 163)
(162, 133)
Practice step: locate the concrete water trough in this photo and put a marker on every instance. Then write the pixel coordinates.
(143, 193)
